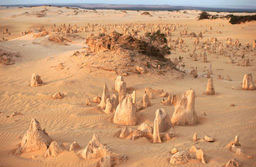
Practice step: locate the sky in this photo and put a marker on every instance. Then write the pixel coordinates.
(195, 3)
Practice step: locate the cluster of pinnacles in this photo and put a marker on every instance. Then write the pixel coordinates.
(36, 139)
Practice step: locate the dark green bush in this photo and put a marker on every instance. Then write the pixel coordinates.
(204, 15)
(241, 19)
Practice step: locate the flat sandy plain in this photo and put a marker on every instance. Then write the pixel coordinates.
(231, 112)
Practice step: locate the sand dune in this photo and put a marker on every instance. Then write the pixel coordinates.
(51, 42)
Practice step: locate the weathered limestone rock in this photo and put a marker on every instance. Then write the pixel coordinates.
(36, 80)
(248, 83)
(198, 153)
(161, 124)
(174, 150)
(88, 102)
(125, 112)
(34, 139)
(144, 130)
(167, 101)
(184, 113)
(180, 157)
(145, 101)
(96, 99)
(105, 95)
(109, 106)
(74, 146)
(120, 85)
(254, 44)
(134, 97)
(234, 146)
(195, 138)
(209, 139)
(125, 132)
(144, 127)
(96, 150)
(114, 101)
(232, 163)
(54, 149)
(58, 95)
(210, 89)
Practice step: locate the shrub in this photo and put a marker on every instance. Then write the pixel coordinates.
(241, 19)
(204, 15)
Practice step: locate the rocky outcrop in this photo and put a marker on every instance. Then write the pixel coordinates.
(34, 139)
(125, 112)
(105, 95)
(161, 124)
(96, 150)
(210, 89)
(185, 113)
(248, 83)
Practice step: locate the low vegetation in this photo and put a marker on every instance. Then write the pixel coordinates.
(232, 18)
(241, 19)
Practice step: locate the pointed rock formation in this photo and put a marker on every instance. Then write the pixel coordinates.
(35, 80)
(184, 113)
(34, 139)
(96, 150)
(58, 95)
(199, 154)
(120, 87)
(105, 95)
(248, 83)
(122, 91)
(109, 106)
(120, 84)
(125, 112)
(134, 97)
(54, 150)
(114, 101)
(195, 138)
(125, 132)
(210, 89)
(234, 145)
(145, 101)
(161, 124)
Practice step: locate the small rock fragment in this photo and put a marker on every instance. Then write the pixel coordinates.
(36, 80)
(58, 95)
(209, 139)
(180, 157)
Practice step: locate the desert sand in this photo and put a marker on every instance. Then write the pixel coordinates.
(72, 75)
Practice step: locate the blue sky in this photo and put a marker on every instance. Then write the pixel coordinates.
(199, 3)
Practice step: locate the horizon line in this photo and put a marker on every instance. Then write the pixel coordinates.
(145, 5)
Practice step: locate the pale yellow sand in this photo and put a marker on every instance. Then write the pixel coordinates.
(69, 119)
